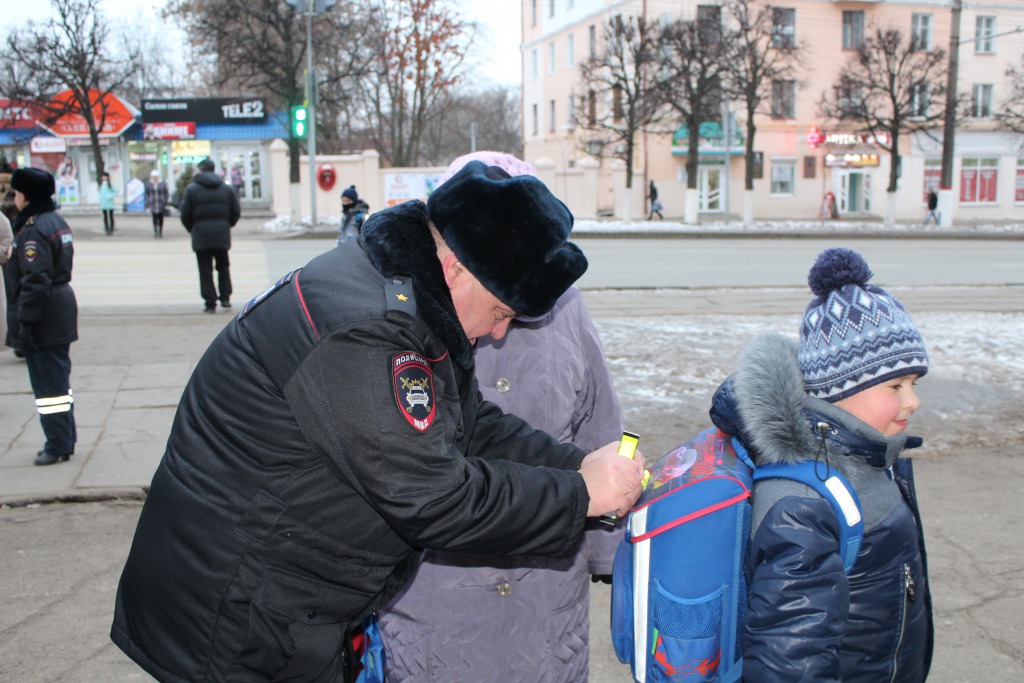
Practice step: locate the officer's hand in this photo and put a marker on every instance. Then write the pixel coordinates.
(613, 481)
(25, 338)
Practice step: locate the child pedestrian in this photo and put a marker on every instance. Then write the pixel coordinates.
(353, 214)
(841, 398)
(107, 196)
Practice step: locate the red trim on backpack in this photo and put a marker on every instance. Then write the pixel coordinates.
(693, 515)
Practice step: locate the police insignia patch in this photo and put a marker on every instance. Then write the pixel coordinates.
(414, 389)
(31, 250)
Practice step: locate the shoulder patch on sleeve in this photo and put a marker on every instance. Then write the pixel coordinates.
(414, 389)
(30, 250)
(259, 298)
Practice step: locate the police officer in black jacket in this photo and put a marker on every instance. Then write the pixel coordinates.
(42, 313)
(334, 428)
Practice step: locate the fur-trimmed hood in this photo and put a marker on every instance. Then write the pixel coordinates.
(764, 403)
(397, 241)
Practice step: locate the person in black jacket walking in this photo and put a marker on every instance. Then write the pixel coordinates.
(209, 210)
(42, 312)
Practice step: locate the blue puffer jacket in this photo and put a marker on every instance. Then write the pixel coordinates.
(808, 620)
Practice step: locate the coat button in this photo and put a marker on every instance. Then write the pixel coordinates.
(504, 589)
(503, 385)
(312, 614)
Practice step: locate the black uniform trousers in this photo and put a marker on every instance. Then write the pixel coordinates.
(49, 372)
(206, 259)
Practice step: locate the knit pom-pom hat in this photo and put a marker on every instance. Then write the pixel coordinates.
(854, 335)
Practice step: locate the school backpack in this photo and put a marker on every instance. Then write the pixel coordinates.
(679, 593)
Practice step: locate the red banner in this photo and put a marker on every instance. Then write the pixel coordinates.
(183, 130)
(116, 114)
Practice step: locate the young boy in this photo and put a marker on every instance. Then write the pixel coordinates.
(842, 398)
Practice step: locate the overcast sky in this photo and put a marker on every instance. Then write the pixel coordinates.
(498, 54)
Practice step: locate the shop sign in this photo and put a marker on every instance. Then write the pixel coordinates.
(17, 115)
(116, 114)
(43, 145)
(170, 130)
(205, 110)
(816, 137)
(851, 160)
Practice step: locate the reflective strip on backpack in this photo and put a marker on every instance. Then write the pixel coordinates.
(641, 585)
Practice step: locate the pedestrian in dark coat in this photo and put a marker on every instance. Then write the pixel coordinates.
(156, 201)
(42, 312)
(353, 214)
(334, 429)
(842, 398)
(209, 209)
(933, 205)
(655, 202)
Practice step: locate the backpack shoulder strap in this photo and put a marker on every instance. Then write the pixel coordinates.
(840, 494)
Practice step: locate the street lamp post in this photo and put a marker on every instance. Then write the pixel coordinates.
(946, 199)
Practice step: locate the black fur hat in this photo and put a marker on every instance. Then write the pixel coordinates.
(511, 233)
(34, 183)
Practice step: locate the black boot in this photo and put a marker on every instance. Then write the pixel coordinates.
(44, 458)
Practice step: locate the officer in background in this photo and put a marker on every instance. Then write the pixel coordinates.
(42, 312)
(334, 428)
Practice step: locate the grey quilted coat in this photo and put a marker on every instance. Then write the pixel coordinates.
(517, 619)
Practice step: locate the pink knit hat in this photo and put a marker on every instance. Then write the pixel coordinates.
(505, 162)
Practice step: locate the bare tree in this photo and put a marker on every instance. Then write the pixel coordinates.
(1012, 113)
(493, 113)
(694, 58)
(619, 76)
(260, 46)
(759, 66)
(157, 74)
(70, 52)
(889, 88)
(419, 48)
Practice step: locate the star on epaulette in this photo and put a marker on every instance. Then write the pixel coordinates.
(401, 297)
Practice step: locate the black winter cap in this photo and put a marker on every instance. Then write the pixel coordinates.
(34, 183)
(511, 233)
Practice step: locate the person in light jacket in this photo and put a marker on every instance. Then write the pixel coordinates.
(476, 617)
(107, 196)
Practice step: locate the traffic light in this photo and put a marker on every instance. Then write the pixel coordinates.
(300, 121)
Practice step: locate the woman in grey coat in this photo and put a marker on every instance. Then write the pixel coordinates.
(516, 619)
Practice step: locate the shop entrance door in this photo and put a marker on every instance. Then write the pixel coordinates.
(854, 191)
(242, 168)
(710, 184)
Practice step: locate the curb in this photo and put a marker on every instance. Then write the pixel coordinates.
(76, 496)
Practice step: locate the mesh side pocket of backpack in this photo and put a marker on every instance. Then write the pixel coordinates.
(686, 636)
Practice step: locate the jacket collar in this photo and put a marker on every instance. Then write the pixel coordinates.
(398, 241)
(34, 208)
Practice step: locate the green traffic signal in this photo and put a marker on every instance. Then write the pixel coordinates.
(300, 121)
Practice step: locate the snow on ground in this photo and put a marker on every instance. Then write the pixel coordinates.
(617, 227)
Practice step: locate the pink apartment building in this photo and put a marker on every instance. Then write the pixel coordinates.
(803, 157)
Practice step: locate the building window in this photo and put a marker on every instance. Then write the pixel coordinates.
(551, 8)
(981, 101)
(851, 97)
(593, 41)
(920, 100)
(709, 23)
(534, 64)
(921, 32)
(535, 122)
(533, 12)
(978, 180)
(783, 175)
(569, 4)
(853, 29)
(1018, 189)
(984, 35)
(617, 103)
(571, 109)
(591, 107)
(932, 178)
(551, 117)
(783, 27)
(784, 99)
(570, 50)
(551, 58)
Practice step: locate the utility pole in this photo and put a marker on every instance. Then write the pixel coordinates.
(946, 198)
(311, 84)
